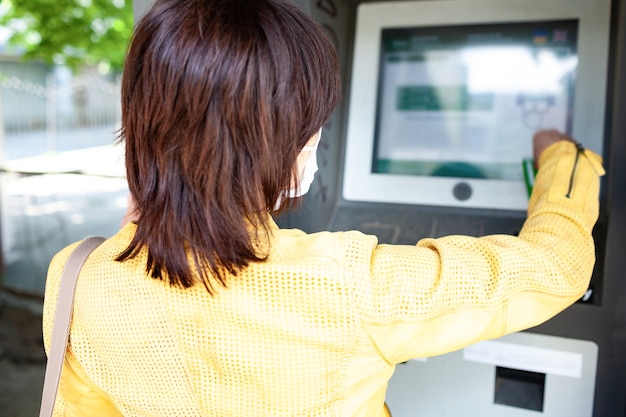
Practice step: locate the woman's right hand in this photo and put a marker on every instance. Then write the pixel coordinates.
(544, 138)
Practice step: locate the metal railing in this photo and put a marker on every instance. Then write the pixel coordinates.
(57, 106)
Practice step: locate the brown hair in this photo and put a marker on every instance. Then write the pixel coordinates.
(218, 98)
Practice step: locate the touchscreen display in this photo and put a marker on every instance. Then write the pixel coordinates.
(464, 101)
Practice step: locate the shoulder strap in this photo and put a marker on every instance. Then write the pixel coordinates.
(61, 324)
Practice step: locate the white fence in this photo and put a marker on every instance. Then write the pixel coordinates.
(78, 103)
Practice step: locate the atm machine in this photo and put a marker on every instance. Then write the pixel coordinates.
(441, 100)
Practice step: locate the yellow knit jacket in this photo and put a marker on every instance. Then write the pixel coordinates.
(318, 328)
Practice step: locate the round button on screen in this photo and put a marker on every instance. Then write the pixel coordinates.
(462, 191)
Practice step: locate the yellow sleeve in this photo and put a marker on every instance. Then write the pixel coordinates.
(77, 395)
(444, 294)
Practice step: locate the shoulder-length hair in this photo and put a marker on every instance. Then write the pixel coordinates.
(218, 98)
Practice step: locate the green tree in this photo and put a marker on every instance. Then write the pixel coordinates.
(70, 32)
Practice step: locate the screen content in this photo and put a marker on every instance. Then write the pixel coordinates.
(465, 101)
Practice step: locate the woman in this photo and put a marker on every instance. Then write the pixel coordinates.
(202, 306)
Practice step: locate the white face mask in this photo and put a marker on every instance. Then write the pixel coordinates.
(309, 171)
(306, 177)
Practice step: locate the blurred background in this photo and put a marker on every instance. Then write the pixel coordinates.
(61, 167)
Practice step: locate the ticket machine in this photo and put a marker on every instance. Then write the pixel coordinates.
(433, 138)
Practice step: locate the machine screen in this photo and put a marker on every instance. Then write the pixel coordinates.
(464, 101)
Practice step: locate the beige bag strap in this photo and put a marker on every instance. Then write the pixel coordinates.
(62, 320)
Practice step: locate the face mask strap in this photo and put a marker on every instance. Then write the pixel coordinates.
(313, 147)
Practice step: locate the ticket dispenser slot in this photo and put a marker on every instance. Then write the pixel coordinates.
(517, 388)
(517, 375)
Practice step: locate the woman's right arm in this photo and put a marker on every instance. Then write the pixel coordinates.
(444, 294)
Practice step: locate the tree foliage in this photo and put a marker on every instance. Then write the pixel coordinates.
(70, 32)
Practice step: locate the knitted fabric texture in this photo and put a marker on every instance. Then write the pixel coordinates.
(318, 328)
